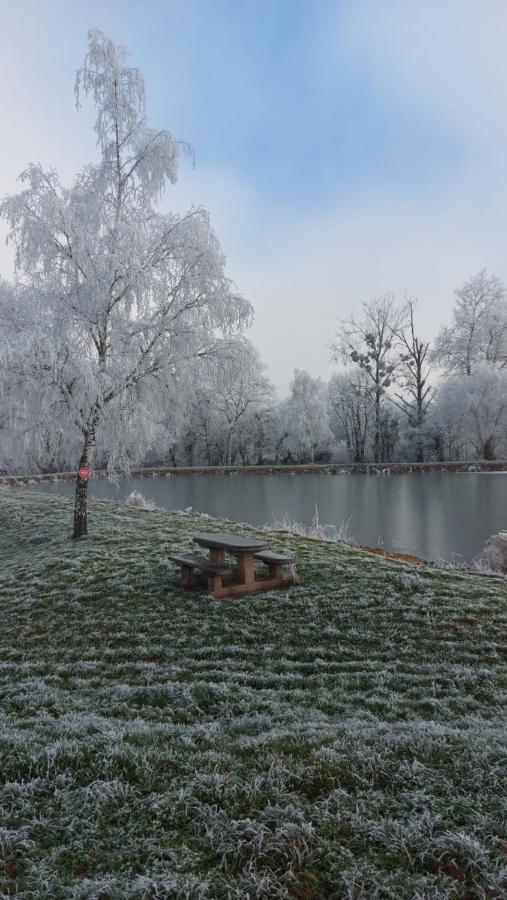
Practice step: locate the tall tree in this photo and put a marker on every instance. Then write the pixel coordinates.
(368, 343)
(122, 292)
(413, 377)
(479, 328)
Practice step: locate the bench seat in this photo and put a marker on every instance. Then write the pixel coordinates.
(198, 562)
(267, 556)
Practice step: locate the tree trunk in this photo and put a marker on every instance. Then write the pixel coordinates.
(488, 449)
(376, 448)
(81, 495)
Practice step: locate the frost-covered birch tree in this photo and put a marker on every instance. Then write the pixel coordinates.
(122, 294)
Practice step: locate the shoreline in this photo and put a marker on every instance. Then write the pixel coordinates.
(430, 468)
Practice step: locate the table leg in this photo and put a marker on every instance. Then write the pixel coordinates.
(216, 555)
(215, 586)
(246, 568)
(275, 571)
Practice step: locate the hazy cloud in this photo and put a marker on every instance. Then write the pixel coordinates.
(418, 208)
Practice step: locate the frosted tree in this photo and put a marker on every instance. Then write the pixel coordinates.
(31, 433)
(305, 418)
(472, 411)
(413, 377)
(370, 344)
(229, 387)
(479, 328)
(351, 411)
(123, 293)
(11, 323)
(257, 438)
(240, 387)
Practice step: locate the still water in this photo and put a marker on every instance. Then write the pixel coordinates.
(440, 516)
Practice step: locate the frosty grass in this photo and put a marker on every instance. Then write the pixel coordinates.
(345, 738)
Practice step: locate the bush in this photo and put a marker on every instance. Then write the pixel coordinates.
(494, 555)
(137, 501)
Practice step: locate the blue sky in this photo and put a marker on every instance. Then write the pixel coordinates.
(266, 89)
(344, 149)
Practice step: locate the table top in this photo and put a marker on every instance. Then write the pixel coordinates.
(224, 541)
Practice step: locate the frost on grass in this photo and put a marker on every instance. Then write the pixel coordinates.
(343, 738)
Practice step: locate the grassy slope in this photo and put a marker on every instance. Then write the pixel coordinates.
(345, 738)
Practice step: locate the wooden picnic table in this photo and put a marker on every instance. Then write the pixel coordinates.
(241, 578)
(244, 548)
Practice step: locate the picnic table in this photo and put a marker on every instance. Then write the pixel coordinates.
(224, 580)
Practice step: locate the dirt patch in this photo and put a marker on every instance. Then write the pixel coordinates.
(391, 554)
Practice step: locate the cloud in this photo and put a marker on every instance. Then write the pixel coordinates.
(421, 213)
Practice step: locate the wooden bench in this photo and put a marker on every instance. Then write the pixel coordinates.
(188, 563)
(275, 562)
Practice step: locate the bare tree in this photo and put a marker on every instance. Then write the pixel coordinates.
(351, 412)
(368, 343)
(413, 376)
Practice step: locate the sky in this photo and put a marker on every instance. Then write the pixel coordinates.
(345, 149)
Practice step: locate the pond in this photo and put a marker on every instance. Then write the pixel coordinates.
(437, 516)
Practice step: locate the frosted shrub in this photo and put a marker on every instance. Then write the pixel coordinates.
(316, 530)
(494, 554)
(136, 501)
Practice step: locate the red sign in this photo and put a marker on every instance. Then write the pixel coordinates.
(84, 473)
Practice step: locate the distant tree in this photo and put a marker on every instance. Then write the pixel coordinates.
(228, 393)
(121, 294)
(479, 328)
(308, 435)
(472, 410)
(414, 372)
(256, 439)
(239, 387)
(389, 433)
(351, 412)
(32, 435)
(446, 423)
(368, 343)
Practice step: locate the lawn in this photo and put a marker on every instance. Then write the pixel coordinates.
(344, 738)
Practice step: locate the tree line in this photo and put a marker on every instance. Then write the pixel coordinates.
(394, 397)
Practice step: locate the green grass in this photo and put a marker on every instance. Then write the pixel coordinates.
(344, 738)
